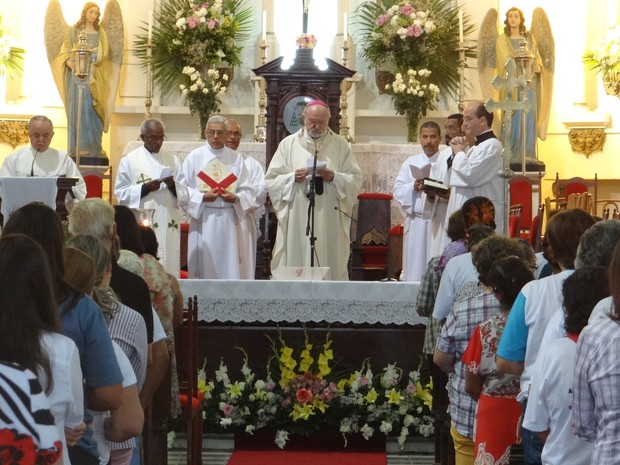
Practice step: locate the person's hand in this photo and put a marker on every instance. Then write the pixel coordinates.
(169, 182)
(326, 174)
(210, 195)
(300, 174)
(152, 186)
(228, 196)
(458, 144)
(74, 435)
(417, 185)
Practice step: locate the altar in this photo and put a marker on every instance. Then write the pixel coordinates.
(374, 320)
(379, 162)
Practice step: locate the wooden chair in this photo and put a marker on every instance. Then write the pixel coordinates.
(536, 229)
(521, 192)
(186, 342)
(562, 188)
(514, 220)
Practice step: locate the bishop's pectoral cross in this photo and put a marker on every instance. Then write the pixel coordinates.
(143, 179)
(511, 82)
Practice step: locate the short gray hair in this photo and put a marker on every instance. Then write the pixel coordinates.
(39, 119)
(216, 119)
(94, 217)
(597, 244)
(149, 123)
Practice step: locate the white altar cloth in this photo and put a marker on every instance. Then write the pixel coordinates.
(262, 301)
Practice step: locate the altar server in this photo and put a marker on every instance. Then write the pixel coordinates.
(39, 159)
(408, 192)
(219, 195)
(287, 182)
(145, 179)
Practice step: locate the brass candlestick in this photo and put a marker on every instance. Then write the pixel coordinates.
(344, 88)
(261, 129)
(462, 65)
(148, 100)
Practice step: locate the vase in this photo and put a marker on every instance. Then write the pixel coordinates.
(202, 121)
(412, 126)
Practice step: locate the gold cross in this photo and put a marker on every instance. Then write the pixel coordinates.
(143, 179)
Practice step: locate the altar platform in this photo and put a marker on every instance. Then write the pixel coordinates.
(366, 320)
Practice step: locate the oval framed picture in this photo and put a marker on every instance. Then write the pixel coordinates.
(291, 114)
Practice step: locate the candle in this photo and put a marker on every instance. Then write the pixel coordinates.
(264, 25)
(345, 29)
(460, 26)
(150, 26)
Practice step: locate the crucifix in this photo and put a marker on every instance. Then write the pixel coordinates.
(304, 27)
(512, 82)
(142, 179)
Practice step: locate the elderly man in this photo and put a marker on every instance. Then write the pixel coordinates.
(220, 194)
(475, 169)
(40, 160)
(287, 182)
(408, 192)
(145, 179)
(248, 228)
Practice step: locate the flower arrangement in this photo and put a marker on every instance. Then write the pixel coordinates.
(605, 59)
(413, 94)
(405, 35)
(11, 57)
(194, 34)
(302, 394)
(203, 90)
(306, 41)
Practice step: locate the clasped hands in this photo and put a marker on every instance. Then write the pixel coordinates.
(153, 185)
(213, 194)
(458, 144)
(325, 173)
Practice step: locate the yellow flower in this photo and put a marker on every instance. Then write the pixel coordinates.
(324, 368)
(371, 397)
(286, 376)
(286, 358)
(302, 412)
(235, 389)
(306, 359)
(393, 396)
(320, 405)
(424, 395)
(343, 383)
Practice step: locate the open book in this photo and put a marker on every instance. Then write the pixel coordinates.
(432, 185)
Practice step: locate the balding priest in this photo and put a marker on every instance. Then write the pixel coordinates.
(340, 181)
(219, 194)
(145, 179)
(40, 160)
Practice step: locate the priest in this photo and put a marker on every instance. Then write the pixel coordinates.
(145, 179)
(219, 193)
(340, 180)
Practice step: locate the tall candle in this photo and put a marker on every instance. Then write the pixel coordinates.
(345, 29)
(264, 25)
(150, 26)
(460, 26)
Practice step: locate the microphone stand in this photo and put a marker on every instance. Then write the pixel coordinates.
(311, 203)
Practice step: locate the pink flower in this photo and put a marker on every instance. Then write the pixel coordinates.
(211, 23)
(406, 10)
(303, 395)
(192, 22)
(286, 402)
(380, 21)
(414, 31)
(270, 386)
(410, 388)
(364, 380)
(227, 409)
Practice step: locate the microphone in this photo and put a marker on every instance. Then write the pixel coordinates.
(36, 152)
(318, 180)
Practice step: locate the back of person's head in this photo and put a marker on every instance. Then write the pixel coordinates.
(581, 291)
(127, 229)
(597, 244)
(92, 247)
(131, 262)
(149, 240)
(477, 233)
(79, 270)
(479, 210)
(456, 226)
(491, 249)
(94, 217)
(507, 276)
(564, 232)
(27, 306)
(39, 222)
(528, 252)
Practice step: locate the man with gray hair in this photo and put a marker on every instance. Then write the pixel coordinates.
(145, 180)
(39, 159)
(219, 195)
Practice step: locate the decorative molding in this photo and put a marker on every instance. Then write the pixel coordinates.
(587, 140)
(14, 132)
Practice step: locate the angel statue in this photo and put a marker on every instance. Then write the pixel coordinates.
(107, 41)
(494, 50)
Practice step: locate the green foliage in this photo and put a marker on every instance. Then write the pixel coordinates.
(11, 57)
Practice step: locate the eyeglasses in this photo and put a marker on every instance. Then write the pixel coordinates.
(212, 133)
(154, 138)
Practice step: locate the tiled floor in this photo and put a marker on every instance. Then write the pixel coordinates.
(217, 451)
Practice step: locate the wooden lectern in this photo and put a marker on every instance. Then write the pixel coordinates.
(15, 192)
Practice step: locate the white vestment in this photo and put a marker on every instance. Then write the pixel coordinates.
(417, 224)
(439, 220)
(214, 249)
(28, 162)
(474, 174)
(248, 224)
(141, 166)
(332, 208)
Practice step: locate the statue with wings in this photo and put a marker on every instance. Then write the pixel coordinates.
(495, 49)
(107, 40)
